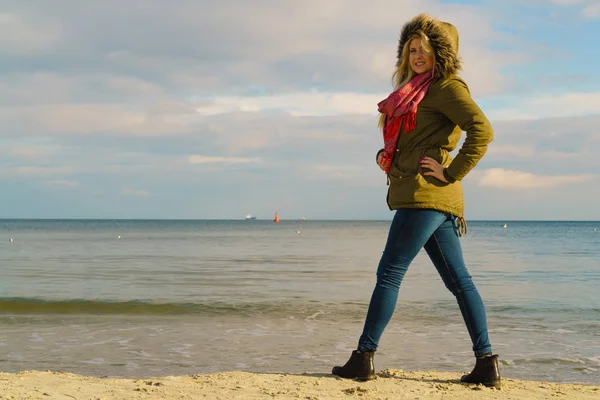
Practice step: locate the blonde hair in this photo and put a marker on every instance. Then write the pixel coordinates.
(403, 72)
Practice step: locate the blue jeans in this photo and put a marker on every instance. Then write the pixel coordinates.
(412, 229)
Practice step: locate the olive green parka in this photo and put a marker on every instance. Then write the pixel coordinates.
(446, 110)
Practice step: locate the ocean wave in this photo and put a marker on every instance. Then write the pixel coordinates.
(544, 361)
(133, 307)
(426, 312)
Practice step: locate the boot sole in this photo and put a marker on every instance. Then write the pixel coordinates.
(357, 378)
(496, 385)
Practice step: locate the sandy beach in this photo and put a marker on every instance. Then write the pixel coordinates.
(390, 384)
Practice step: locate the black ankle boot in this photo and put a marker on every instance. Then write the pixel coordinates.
(485, 372)
(359, 366)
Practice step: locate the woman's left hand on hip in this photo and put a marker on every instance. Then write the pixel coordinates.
(435, 168)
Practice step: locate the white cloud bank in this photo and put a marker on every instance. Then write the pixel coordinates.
(500, 178)
(62, 184)
(315, 103)
(590, 8)
(197, 159)
(127, 191)
(311, 103)
(571, 104)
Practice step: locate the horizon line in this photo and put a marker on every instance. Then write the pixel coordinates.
(265, 219)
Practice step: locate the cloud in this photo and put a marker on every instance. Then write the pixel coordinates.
(344, 45)
(511, 150)
(43, 170)
(20, 35)
(568, 2)
(549, 146)
(341, 173)
(548, 106)
(51, 88)
(197, 159)
(278, 98)
(590, 8)
(90, 118)
(25, 152)
(127, 191)
(499, 178)
(299, 104)
(62, 183)
(567, 104)
(164, 78)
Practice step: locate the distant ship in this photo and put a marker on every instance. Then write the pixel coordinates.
(249, 217)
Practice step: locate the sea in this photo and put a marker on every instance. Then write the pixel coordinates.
(149, 298)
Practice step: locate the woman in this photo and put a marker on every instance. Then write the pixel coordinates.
(422, 121)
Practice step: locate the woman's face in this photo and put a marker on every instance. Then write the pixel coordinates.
(420, 60)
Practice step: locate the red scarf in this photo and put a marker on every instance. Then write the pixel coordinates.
(399, 108)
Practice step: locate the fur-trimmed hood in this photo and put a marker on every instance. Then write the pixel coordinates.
(443, 37)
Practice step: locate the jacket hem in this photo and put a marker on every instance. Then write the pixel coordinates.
(428, 207)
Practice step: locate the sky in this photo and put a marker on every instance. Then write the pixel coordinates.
(199, 109)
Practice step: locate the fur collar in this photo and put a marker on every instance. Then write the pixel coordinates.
(443, 37)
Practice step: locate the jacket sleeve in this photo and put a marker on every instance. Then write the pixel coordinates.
(456, 104)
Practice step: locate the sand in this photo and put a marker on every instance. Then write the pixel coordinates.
(390, 384)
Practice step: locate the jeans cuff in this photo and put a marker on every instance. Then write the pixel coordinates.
(487, 350)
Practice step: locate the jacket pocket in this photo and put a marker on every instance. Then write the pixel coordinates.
(425, 181)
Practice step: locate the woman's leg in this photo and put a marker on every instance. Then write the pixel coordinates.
(445, 251)
(409, 231)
